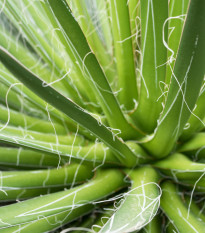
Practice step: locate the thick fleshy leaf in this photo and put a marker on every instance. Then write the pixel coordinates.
(15, 186)
(181, 167)
(47, 49)
(87, 61)
(155, 226)
(96, 154)
(183, 219)
(194, 146)
(186, 82)
(177, 16)
(194, 208)
(51, 223)
(9, 41)
(19, 157)
(59, 202)
(20, 133)
(68, 107)
(134, 13)
(45, 178)
(19, 97)
(16, 118)
(101, 47)
(140, 204)
(124, 54)
(20, 194)
(153, 59)
(196, 121)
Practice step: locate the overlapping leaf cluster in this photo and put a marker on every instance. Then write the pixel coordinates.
(102, 116)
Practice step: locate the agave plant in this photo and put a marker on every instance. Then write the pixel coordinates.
(102, 116)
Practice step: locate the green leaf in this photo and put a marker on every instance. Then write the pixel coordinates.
(69, 108)
(153, 59)
(185, 84)
(16, 93)
(96, 154)
(134, 12)
(47, 45)
(33, 105)
(180, 167)
(19, 194)
(28, 58)
(124, 54)
(155, 226)
(19, 133)
(102, 50)
(93, 153)
(38, 182)
(45, 178)
(197, 142)
(103, 15)
(16, 118)
(10, 156)
(177, 16)
(195, 186)
(76, 73)
(12, 97)
(177, 212)
(196, 120)
(195, 209)
(56, 203)
(50, 223)
(139, 205)
(89, 64)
